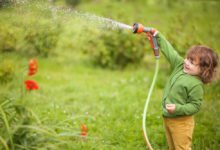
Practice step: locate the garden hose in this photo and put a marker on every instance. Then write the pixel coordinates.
(147, 103)
(151, 34)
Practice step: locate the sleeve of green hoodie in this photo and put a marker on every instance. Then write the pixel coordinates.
(168, 51)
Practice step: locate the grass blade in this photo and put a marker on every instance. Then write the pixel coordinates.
(7, 126)
(4, 143)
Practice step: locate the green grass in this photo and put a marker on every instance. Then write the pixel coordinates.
(113, 100)
(110, 103)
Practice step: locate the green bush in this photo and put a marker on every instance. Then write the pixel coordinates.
(7, 39)
(72, 2)
(7, 71)
(41, 39)
(116, 50)
(5, 2)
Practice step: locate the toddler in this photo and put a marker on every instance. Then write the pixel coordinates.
(183, 92)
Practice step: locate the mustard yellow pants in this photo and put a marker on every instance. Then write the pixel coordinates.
(179, 132)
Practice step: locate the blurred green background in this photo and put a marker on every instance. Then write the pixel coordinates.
(94, 73)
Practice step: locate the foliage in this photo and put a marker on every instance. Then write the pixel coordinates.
(72, 2)
(31, 37)
(42, 39)
(20, 129)
(7, 71)
(5, 2)
(8, 38)
(116, 50)
(207, 126)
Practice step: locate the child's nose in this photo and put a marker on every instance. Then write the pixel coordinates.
(186, 61)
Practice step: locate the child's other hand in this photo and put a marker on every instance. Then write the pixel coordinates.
(170, 108)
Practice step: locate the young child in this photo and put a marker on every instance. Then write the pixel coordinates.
(183, 92)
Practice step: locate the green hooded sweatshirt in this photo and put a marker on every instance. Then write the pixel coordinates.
(184, 90)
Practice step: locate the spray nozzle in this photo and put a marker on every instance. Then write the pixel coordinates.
(139, 28)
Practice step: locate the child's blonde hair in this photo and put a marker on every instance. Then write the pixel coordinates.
(207, 60)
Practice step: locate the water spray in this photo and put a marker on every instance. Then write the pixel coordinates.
(151, 34)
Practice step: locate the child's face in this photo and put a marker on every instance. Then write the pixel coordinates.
(191, 67)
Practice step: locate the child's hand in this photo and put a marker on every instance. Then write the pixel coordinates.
(154, 32)
(170, 108)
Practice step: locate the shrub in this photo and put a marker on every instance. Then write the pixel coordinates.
(42, 39)
(7, 39)
(7, 71)
(116, 50)
(5, 2)
(72, 2)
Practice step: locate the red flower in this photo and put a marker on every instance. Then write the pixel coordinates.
(83, 133)
(83, 130)
(31, 85)
(33, 67)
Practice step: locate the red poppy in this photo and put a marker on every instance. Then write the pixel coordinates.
(83, 130)
(83, 133)
(31, 85)
(33, 67)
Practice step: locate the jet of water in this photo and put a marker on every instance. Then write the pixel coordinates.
(102, 22)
